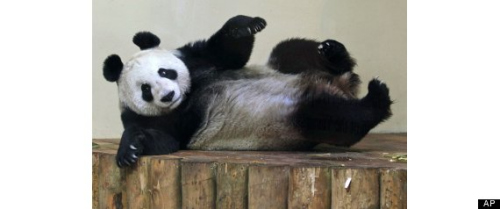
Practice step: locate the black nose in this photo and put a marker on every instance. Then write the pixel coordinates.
(168, 97)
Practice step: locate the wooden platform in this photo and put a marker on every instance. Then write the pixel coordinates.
(371, 174)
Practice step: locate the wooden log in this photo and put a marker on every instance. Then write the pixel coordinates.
(164, 183)
(393, 189)
(95, 180)
(310, 187)
(362, 190)
(198, 185)
(268, 186)
(110, 191)
(231, 184)
(136, 189)
(208, 179)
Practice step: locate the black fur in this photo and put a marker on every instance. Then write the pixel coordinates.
(146, 93)
(145, 40)
(228, 48)
(167, 73)
(155, 135)
(112, 68)
(297, 55)
(320, 116)
(325, 118)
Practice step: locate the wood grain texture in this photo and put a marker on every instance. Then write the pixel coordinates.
(362, 192)
(393, 189)
(164, 183)
(110, 191)
(310, 187)
(255, 179)
(231, 184)
(198, 185)
(95, 180)
(268, 187)
(137, 193)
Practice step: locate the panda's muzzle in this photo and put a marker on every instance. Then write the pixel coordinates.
(168, 97)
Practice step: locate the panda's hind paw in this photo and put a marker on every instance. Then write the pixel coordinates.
(330, 48)
(378, 94)
(242, 26)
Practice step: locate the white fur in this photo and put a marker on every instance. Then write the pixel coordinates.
(143, 68)
(250, 112)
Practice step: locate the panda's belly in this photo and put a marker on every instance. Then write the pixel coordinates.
(251, 114)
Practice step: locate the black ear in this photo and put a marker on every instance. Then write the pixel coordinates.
(112, 67)
(146, 40)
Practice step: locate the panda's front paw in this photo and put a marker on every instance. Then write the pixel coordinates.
(331, 48)
(130, 149)
(241, 26)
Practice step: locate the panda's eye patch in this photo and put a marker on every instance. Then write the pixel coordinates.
(145, 87)
(167, 73)
(146, 92)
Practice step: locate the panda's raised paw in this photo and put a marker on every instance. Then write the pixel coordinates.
(331, 48)
(378, 94)
(130, 149)
(241, 26)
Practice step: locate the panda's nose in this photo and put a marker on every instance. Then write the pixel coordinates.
(168, 97)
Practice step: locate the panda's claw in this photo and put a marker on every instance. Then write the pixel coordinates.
(130, 148)
(126, 162)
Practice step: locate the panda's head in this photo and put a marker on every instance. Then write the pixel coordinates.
(153, 82)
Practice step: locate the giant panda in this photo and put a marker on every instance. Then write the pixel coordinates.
(201, 96)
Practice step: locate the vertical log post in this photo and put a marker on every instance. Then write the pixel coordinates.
(164, 183)
(362, 190)
(231, 184)
(198, 185)
(95, 180)
(138, 194)
(393, 189)
(110, 191)
(309, 188)
(268, 187)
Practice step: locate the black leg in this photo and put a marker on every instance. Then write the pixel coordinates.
(295, 56)
(325, 118)
(337, 56)
(137, 141)
(228, 48)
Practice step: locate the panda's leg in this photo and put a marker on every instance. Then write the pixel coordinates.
(295, 56)
(322, 117)
(138, 141)
(229, 48)
(338, 58)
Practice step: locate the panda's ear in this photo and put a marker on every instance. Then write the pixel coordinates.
(146, 40)
(112, 68)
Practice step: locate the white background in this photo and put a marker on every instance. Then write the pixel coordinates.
(46, 103)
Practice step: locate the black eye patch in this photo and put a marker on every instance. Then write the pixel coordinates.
(146, 93)
(167, 73)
